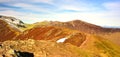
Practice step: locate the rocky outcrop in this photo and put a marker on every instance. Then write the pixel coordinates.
(39, 48)
(92, 47)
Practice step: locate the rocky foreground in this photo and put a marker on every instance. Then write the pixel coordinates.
(39, 48)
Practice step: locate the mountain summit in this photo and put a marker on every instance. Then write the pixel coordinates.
(13, 22)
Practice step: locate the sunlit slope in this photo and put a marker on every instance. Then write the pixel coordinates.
(101, 47)
(53, 33)
(27, 26)
(37, 24)
(114, 37)
(93, 46)
(112, 34)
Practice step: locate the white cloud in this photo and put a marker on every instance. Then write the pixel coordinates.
(112, 5)
(99, 18)
(30, 7)
(2, 8)
(108, 17)
(26, 17)
(78, 8)
(6, 0)
(10, 13)
(76, 5)
(71, 7)
(43, 1)
(34, 1)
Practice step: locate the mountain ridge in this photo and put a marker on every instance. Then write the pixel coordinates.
(79, 25)
(79, 39)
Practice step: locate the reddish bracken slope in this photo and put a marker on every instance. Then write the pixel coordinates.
(53, 33)
(7, 32)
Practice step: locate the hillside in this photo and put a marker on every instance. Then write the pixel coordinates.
(33, 48)
(93, 46)
(111, 34)
(7, 32)
(53, 33)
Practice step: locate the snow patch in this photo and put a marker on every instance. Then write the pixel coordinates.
(61, 40)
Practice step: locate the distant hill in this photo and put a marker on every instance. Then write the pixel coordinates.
(79, 25)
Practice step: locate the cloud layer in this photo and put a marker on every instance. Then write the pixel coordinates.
(100, 12)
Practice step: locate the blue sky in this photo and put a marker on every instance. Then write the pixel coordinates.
(100, 12)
